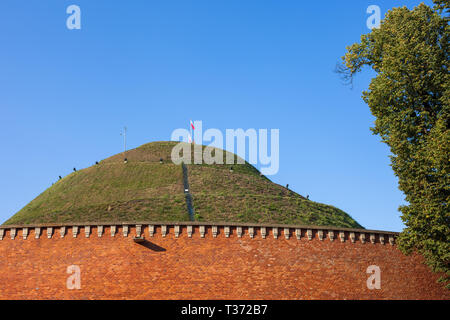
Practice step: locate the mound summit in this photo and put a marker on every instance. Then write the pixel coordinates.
(148, 189)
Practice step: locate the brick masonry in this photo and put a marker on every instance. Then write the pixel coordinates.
(277, 263)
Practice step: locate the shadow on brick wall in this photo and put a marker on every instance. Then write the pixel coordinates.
(151, 246)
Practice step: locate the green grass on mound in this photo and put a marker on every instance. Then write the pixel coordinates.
(146, 190)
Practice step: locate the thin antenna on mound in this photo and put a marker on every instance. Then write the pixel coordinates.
(124, 134)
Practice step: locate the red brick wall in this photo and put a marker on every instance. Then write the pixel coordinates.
(207, 268)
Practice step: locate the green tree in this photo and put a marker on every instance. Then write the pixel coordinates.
(442, 5)
(409, 97)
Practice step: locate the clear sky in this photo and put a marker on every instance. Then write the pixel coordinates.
(153, 65)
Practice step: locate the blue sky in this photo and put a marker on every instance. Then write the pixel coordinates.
(153, 65)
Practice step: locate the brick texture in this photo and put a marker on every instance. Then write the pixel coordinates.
(207, 268)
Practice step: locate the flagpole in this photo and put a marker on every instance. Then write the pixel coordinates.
(191, 127)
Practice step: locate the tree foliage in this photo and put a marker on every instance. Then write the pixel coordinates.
(409, 97)
(442, 5)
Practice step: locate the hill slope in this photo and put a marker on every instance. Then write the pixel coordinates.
(146, 190)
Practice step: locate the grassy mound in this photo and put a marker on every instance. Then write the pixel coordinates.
(146, 190)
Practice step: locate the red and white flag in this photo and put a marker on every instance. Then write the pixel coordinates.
(192, 125)
(189, 139)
